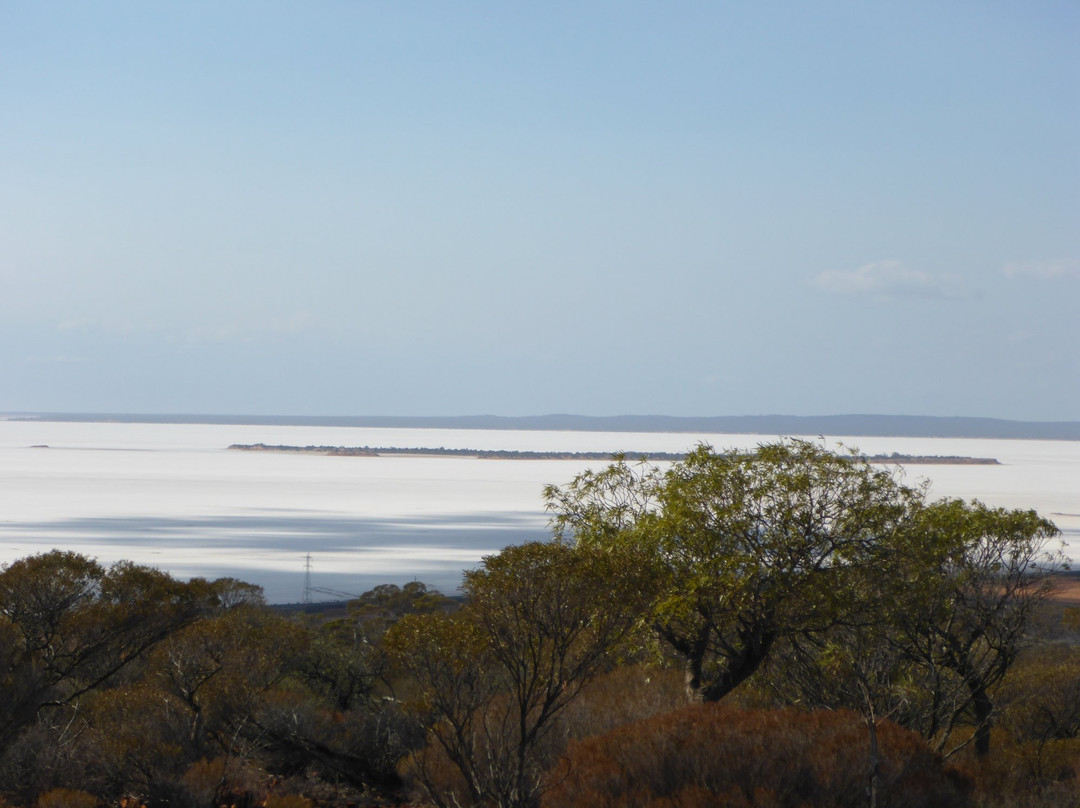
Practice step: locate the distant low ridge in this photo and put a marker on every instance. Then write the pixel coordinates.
(915, 426)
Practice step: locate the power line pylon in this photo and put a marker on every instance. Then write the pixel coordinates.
(307, 578)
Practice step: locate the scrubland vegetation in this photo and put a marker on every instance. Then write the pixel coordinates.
(785, 628)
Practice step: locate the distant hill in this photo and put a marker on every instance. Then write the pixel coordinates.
(920, 426)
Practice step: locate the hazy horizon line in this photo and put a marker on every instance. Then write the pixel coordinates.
(854, 424)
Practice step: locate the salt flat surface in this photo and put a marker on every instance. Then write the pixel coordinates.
(173, 496)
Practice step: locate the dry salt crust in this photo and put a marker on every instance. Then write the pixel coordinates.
(172, 495)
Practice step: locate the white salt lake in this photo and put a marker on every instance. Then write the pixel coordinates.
(174, 497)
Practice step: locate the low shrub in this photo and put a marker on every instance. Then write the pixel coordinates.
(717, 755)
(66, 798)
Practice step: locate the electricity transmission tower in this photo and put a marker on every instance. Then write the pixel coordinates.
(307, 578)
(309, 589)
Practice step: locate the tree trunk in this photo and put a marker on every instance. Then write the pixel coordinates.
(695, 661)
(755, 646)
(870, 716)
(875, 764)
(983, 707)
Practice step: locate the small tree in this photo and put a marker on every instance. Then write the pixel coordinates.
(70, 626)
(540, 621)
(347, 661)
(965, 582)
(447, 659)
(943, 612)
(216, 673)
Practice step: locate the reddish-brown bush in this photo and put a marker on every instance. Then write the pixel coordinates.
(716, 755)
(66, 798)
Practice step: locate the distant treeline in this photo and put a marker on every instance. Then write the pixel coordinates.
(486, 454)
(513, 454)
(924, 460)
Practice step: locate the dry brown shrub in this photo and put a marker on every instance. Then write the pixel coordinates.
(287, 801)
(430, 773)
(1007, 779)
(622, 696)
(204, 779)
(716, 755)
(66, 798)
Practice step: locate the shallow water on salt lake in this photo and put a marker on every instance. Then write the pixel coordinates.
(173, 495)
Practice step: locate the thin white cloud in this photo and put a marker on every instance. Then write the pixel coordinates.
(259, 331)
(53, 359)
(224, 332)
(889, 279)
(1044, 270)
(105, 327)
(220, 333)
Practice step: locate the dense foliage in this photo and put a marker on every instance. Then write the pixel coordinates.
(866, 647)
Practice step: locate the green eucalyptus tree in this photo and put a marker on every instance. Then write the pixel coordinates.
(749, 547)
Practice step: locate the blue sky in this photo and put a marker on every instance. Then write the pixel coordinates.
(414, 208)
